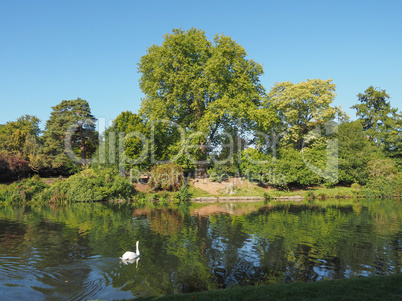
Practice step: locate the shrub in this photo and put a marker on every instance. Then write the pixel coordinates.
(22, 191)
(89, 186)
(122, 189)
(384, 178)
(221, 172)
(166, 177)
(267, 197)
(13, 167)
(182, 195)
(356, 188)
(310, 196)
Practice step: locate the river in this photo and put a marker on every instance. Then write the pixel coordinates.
(72, 252)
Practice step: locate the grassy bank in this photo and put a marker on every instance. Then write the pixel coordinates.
(101, 185)
(370, 288)
(249, 189)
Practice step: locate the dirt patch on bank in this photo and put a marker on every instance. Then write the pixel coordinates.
(226, 187)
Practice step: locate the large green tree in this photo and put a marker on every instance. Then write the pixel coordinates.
(126, 142)
(70, 132)
(202, 86)
(301, 108)
(355, 152)
(20, 147)
(18, 137)
(381, 122)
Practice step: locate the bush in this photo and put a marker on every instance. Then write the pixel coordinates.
(221, 172)
(310, 196)
(182, 195)
(166, 177)
(288, 169)
(89, 186)
(356, 188)
(322, 196)
(214, 176)
(267, 197)
(13, 167)
(22, 191)
(384, 178)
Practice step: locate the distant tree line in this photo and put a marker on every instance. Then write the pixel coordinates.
(26, 150)
(206, 111)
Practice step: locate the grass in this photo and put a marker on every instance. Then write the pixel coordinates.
(365, 288)
(255, 190)
(197, 192)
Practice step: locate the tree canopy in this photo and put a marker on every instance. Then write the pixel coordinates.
(72, 118)
(19, 137)
(205, 107)
(381, 122)
(202, 86)
(301, 107)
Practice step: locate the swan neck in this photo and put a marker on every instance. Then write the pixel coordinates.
(137, 250)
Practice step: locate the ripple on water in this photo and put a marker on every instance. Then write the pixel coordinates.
(79, 280)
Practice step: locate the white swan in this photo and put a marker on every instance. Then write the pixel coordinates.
(131, 255)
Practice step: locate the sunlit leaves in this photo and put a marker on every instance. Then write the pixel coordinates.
(302, 107)
(68, 113)
(201, 85)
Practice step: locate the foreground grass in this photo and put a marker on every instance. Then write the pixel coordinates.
(366, 288)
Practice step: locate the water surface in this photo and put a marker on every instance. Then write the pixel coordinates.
(72, 252)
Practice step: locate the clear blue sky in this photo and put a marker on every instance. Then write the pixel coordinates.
(55, 50)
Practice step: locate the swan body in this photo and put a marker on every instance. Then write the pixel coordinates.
(131, 255)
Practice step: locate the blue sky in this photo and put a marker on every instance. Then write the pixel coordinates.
(55, 50)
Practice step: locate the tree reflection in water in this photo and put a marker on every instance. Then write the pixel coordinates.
(72, 252)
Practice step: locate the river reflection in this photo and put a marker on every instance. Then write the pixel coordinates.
(72, 252)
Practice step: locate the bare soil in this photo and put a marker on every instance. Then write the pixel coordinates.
(224, 187)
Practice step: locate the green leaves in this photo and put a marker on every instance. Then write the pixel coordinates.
(302, 107)
(71, 119)
(381, 123)
(203, 86)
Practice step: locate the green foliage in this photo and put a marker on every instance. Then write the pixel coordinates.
(355, 151)
(201, 96)
(375, 288)
(302, 107)
(221, 172)
(90, 186)
(310, 196)
(20, 148)
(267, 197)
(19, 137)
(125, 142)
(381, 123)
(373, 109)
(22, 191)
(183, 195)
(204, 87)
(288, 169)
(384, 178)
(356, 187)
(70, 120)
(284, 166)
(258, 167)
(166, 177)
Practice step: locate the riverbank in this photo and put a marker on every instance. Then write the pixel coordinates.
(364, 288)
(105, 185)
(241, 190)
